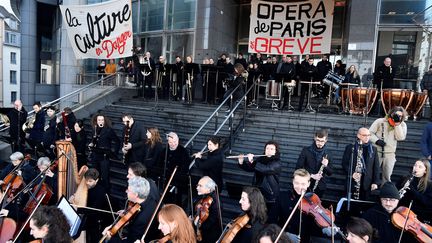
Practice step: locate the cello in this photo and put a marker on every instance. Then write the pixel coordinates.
(14, 178)
(311, 204)
(405, 219)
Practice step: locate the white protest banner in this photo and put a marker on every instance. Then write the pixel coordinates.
(291, 27)
(100, 31)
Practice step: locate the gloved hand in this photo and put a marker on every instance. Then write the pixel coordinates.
(380, 143)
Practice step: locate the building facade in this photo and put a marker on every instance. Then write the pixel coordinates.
(364, 32)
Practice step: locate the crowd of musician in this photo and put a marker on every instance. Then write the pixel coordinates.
(158, 175)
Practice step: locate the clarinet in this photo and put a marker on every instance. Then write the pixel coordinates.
(93, 143)
(358, 169)
(320, 171)
(126, 139)
(402, 191)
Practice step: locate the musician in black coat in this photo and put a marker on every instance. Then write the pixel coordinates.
(37, 131)
(176, 155)
(323, 66)
(105, 147)
(153, 149)
(50, 134)
(134, 150)
(137, 193)
(369, 175)
(176, 86)
(232, 84)
(418, 189)
(315, 156)
(267, 171)
(212, 166)
(79, 141)
(309, 73)
(384, 75)
(70, 123)
(211, 227)
(17, 117)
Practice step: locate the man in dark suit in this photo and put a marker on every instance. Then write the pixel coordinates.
(17, 117)
(37, 131)
(104, 148)
(365, 169)
(134, 150)
(316, 160)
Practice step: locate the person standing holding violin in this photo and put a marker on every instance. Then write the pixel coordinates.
(316, 160)
(368, 178)
(212, 166)
(418, 189)
(134, 150)
(267, 171)
(137, 193)
(253, 217)
(379, 216)
(207, 221)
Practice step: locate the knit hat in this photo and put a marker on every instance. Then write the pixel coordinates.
(389, 190)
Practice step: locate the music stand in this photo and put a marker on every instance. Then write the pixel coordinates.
(310, 83)
(71, 215)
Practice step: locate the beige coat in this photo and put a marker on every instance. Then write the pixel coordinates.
(391, 134)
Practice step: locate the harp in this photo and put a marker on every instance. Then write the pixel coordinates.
(70, 181)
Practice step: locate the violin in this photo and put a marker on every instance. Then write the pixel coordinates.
(121, 221)
(233, 228)
(311, 204)
(405, 219)
(202, 213)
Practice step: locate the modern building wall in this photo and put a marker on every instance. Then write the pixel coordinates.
(2, 24)
(8, 66)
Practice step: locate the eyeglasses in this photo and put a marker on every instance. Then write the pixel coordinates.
(389, 200)
(365, 135)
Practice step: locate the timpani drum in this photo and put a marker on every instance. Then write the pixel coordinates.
(417, 103)
(396, 97)
(362, 100)
(273, 90)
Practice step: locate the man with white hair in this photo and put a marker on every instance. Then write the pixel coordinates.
(24, 169)
(137, 193)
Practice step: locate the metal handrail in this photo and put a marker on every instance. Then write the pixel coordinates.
(229, 116)
(3, 127)
(211, 116)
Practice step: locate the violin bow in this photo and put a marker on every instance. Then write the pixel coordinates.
(290, 216)
(332, 223)
(406, 221)
(110, 206)
(159, 204)
(219, 208)
(29, 217)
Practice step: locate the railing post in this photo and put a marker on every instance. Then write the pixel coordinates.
(216, 121)
(81, 97)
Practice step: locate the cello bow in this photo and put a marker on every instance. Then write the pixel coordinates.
(159, 204)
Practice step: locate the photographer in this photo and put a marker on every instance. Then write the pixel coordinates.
(385, 133)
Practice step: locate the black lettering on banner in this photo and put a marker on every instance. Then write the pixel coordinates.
(275, 26)
(319, 27)
(71, 21)
(261, 28)
(100, 27)
(304, 8)
(265, 7)
(320, 9)
(276, 9)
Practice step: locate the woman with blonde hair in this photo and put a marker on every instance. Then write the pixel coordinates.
(175, 225)
(418, 189)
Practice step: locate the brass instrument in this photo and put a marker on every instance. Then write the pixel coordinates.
(320, 171)
(126, 139)
(402, 191)
(28, 125)
(174, 86)
(358, 169)
(189, 85)
(144, 60)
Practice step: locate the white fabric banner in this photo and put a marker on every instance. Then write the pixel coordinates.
(100, 31)
(291, 27)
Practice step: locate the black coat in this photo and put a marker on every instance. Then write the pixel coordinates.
(210, 228)
(107, 144)
(380, 219)
(17, 119)
(71, 119)
(371, 174)
(37, 132)
(267, 171)
(178, 157)
(212, 166)
(421, 200)
(137, 137)
(247, 234)
(385, 75)
(139, 223)
(308, 161)
(309, 72)
(152, 154)
(232, 84)
(50, 135)
(323, 68)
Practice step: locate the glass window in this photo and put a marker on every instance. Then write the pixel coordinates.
(13, 77)
(181, 14)
(13, 58)
(181, 45)
(152, 15)
(244, 22)
(401, 12)
(153, 45)
(135, 17)
(13, 96)
(44, 76)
